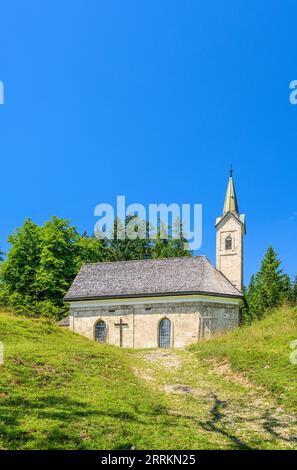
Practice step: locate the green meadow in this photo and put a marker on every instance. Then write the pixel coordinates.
(59, 390)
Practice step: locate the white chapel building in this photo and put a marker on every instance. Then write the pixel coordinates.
(169, 302)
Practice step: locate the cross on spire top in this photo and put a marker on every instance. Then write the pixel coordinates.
(230, 199)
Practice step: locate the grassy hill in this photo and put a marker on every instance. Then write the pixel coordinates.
(61, 391)
(261, 352)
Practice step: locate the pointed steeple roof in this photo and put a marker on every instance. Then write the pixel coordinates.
(230, 199)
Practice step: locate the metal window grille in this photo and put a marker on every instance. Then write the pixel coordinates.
(100, 331)
(165, 333)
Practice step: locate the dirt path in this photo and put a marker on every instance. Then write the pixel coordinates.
(223, 405)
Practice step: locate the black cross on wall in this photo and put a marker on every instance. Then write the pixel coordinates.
(121, 325)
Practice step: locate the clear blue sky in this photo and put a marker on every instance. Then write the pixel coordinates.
(152, 100)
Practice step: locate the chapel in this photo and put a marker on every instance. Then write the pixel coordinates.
(164, 303)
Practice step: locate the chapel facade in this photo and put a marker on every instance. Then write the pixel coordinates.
(170, 302)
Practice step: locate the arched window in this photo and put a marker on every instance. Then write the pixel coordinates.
(100, 331)
(228, 243)
(165, 333)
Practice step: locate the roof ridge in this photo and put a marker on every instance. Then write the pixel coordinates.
(147, 259)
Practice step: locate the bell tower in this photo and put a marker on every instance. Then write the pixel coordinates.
(230, 229)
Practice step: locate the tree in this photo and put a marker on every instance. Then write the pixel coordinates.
(131, 240)
(90, 250)
(269, 288)
(57, 265)
(3, 297)
(170, 243)
(43, 261)
(253, 296)
(287, 289)
(293, 296)
(273, 283)
(18, 271)
(42, 264)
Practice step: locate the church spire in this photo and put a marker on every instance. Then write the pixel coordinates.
(230, 199)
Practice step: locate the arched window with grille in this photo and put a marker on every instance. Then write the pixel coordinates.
(165, 333)
(100, 331)
(228, 243)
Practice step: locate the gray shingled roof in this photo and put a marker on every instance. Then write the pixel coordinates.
(150, 278)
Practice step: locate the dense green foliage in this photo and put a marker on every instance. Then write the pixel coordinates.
(90, 250)
(43, 260)
(293, 293)
(173, 245)
(134, 246)
(18, 272)
(269, 288)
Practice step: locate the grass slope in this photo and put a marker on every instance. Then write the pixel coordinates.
(59, 390)
(261, 351)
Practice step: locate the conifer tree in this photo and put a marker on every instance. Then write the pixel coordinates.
(170, 242)
(269, 288)
(131, 240)
(287, 289)
(293, 297)
(253, 295)
(273, 283)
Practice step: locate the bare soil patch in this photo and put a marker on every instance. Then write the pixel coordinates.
(166, 359)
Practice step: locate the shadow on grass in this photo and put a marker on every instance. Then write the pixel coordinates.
(70, 416)
(266, 421)
(271, 424)
(65, 411)
(216, 417)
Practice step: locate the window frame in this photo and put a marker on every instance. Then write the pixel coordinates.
(170, 333)
(105, 330)
(228, 240)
